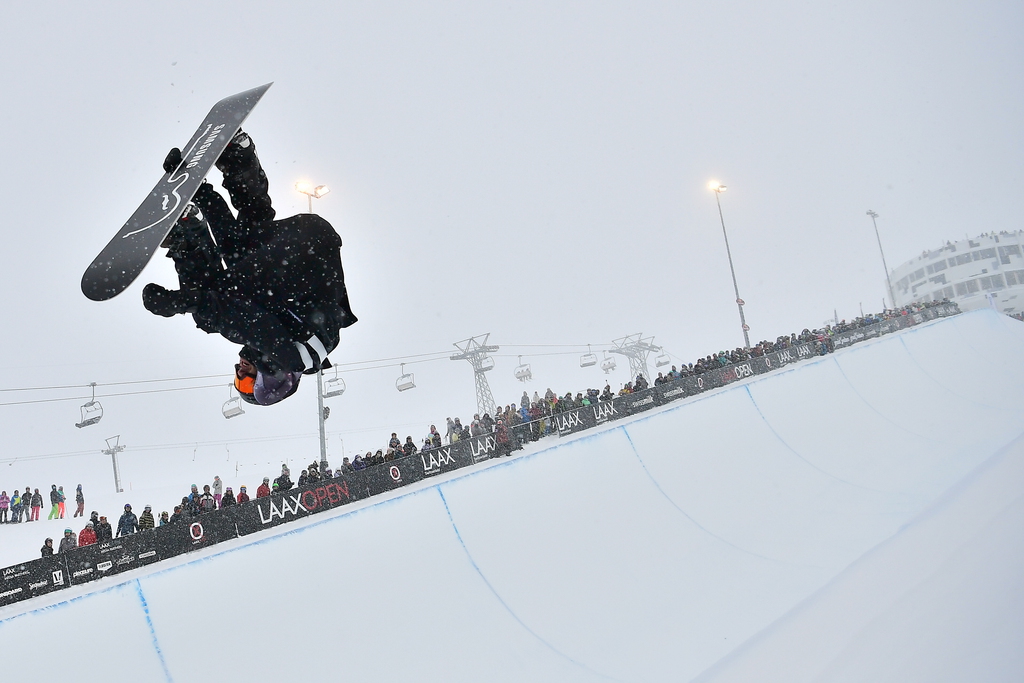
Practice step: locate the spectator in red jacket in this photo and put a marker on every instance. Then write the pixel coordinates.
(87, 536)
(243, 497)
(264, 490)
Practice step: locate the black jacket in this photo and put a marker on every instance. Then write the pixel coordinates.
(103, 530)
(284, 280)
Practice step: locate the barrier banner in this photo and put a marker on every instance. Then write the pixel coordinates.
(91, 562)
(572, 421)
(264, 513)
(672, 390)
(29, 579)
(448, 458)
(194, 533)
(637, 402)
(393, 474)
(481, 447)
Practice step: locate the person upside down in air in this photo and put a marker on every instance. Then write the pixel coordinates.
(274, 286)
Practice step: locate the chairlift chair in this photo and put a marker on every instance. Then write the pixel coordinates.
(233, 406)
(588, 359)
(486, 363)
(405, 381)
(608, 364)
(662, 360)
(335, 386)
(523, 372)
(92, 411)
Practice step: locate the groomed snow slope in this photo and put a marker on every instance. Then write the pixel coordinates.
(722, 537)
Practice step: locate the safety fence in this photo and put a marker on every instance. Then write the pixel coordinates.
(106, 558)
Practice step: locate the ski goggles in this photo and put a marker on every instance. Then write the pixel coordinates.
(245, 387)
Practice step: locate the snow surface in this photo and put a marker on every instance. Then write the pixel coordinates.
(855, 517)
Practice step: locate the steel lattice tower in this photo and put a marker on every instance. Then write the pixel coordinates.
(636, 349)
(475, 350)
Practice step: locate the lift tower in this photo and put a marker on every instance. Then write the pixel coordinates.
(475, 350)
(636, 349)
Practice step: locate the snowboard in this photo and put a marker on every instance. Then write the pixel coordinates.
(127, 254)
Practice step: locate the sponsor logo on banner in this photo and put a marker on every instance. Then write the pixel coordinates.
(38, 584)
(768, 362)
(744, 370)
(144, 555)
(13, 591)
(436, 458)
(396, 474)
(81, 573)
(649, 401)
(672, 393)
(58, 578)
(104, 566)
(918, 318)
(15, 572)
(802, 351)
(566, 422)
(308, 501)
(603, 411)
(196, 531)
(482, 448)
(700, 382)
(785, 356)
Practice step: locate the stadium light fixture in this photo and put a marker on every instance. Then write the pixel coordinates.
(311, 192)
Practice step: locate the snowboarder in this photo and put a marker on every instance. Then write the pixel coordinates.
(274, 286)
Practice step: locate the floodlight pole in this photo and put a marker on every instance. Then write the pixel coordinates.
(888, 280)
(112, 450)
(718, 190)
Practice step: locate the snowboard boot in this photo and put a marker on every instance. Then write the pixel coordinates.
(240, 154)
(169, 302)
(172, 160)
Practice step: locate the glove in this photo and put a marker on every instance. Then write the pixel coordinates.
(172, 160)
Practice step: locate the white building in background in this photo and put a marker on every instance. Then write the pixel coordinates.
(984, 271)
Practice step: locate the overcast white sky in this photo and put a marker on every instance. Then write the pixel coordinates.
(533, 170)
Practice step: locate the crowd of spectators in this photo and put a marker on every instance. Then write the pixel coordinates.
(24, 506)
(505, 426)
(536, 410)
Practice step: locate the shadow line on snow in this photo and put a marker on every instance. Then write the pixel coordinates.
(808, 462)
(501, 600)
(943, 386)
(876, 410)
(695, 522)
(152, 631)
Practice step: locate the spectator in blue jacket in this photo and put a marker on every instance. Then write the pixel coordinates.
(129, 523)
